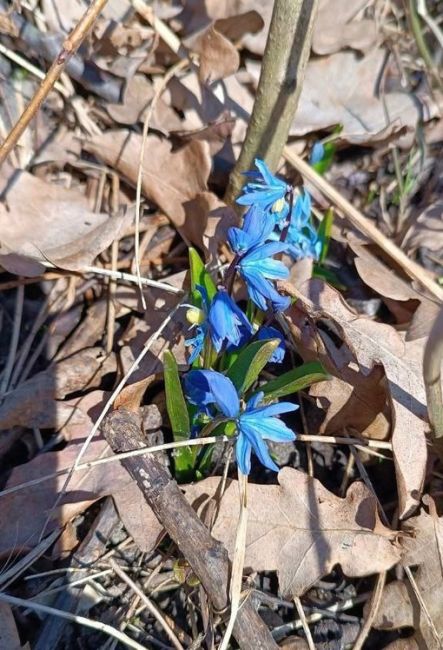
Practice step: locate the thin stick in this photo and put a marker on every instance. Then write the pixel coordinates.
(238, 562)
(363, 224)
(148, 604)
(209, 440)
(18, 311)
(422, 604)
(168, 76)
(81, 620)
(304, 622)
(119, 275)
(375, 604)
(107, 407)
(26, 65)
(70, 45)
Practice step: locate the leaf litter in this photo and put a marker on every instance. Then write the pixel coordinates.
(68, 203)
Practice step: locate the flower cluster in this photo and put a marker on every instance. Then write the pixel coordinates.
(275, 222)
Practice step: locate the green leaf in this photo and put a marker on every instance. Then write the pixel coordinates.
(294, 380)
(199, 274)
(184, 457)
(324, 233)
(328, 275)
(250, 362)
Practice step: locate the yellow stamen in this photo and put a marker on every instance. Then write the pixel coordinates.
(195, 316)
(278, 205)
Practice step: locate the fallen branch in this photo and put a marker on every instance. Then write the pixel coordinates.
(207, 557)
(70, 45)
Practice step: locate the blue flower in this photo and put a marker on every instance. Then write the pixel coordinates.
(254, 424)
(317, 153)
(221, 319)
(256, 229)
(265, 333)
(266, 191)
(257, 268)
(302, 238)
(227, 323)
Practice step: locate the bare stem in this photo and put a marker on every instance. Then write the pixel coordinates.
(432, 361)
(279, 88)
(70, 45)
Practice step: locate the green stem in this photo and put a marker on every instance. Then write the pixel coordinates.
(432, 361)
(284, 63)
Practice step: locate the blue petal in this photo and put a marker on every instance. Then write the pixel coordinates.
(208, 386)
(317, 153)
(268, 267)
(260, 290)
(268, 177)
(243, 450)
(254, 401)
(264, 251)
(272, 333)
(265, 197)
(275, 430)
(226, 321)
(258, 445)
(270, 410)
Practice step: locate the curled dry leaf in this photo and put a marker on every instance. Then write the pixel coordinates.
(301, 529)
(218, 56)
(368, 344)
(37, 401)
(169, 177)
(342, 89)
(399, 606)
(339, 26)
(9, 637)
(46, 222)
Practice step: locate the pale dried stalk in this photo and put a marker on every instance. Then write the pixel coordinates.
(304, 622)
(432, 361)
(375, 604)
(364, 225)
(81, 620)
(148, 604)
(70, 45)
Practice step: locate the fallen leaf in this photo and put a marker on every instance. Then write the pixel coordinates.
(301, 529)
(218, 56)
(37, 402)
(46, 222)
(338, 26)
(361, 407)
(342, 89)
(137, 97)
(427, 231)
(399, 607)
(367, 344)
(9, 638)
(169, 177)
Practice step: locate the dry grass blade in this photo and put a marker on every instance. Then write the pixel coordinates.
(81, 620)
(364, 225)
(375, 603)
(149, 605)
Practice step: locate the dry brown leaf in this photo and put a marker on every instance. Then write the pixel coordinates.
(399, 608)
(427, 230)
(37, 401)
(218, 56)
(342, 89)
(361, 407)
(301, 529)
(367, 344)
(403, 644)
(9, 638)
(169, 178)
(137, 97)
(46, 222)
(337, 27)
